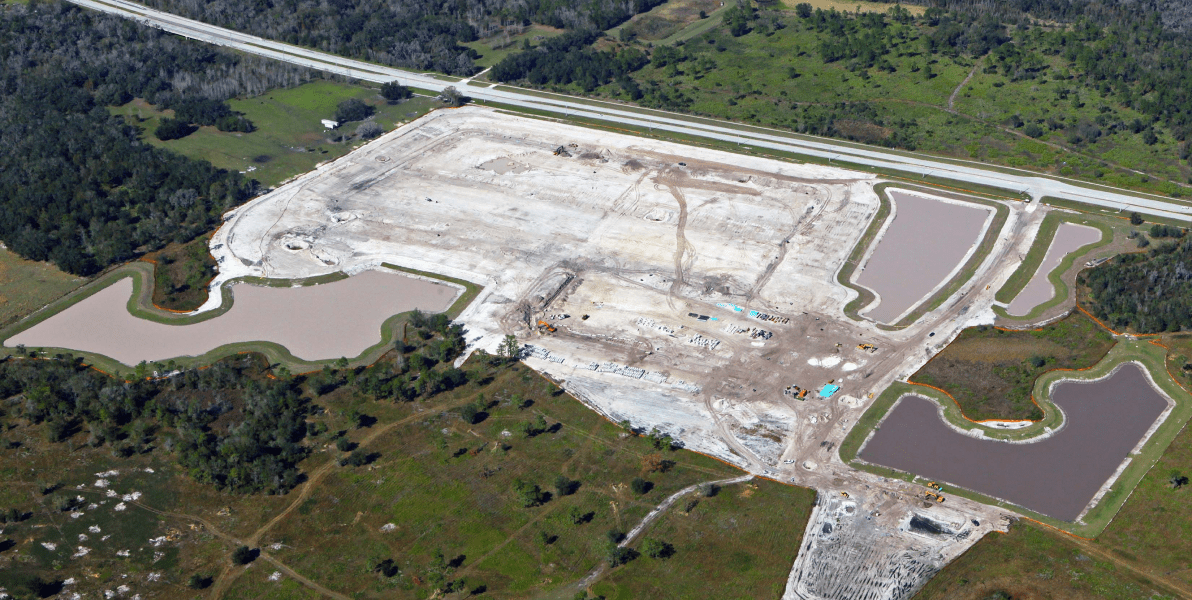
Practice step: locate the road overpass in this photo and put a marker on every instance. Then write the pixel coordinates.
(1024, 182)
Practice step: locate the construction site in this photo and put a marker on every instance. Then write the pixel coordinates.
(678, 288)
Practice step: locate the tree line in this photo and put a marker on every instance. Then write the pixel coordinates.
(567, 59)
(77, 185)
(415, 34)
(1146, 292)
(238, 425)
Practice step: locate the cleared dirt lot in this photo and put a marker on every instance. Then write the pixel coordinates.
(674, 287)
(635, 234)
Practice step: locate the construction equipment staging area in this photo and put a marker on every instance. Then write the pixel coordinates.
(677, 287)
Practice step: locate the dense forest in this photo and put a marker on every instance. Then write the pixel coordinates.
(1147, 292)
(238, 425)
(1175, 15)
(77, 186)
(416, 34)
(566, 59)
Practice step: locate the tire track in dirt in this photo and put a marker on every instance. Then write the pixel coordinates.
(682, 246)
(652, 516)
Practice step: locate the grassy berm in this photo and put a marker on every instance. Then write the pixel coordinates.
(990, 372)
(503, 487)
(1142, 554)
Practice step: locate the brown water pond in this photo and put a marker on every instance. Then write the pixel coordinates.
(336, 319)
(921, 247)
(1068, 238)
(1057, 476)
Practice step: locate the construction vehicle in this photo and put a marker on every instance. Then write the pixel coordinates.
(939, 498)
(929, 496)
(547, 326)
(867, 348)
(845, 494)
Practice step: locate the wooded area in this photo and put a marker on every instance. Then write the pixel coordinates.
(234, 425)
(77, 186)
(416, 34)
(1146, 292)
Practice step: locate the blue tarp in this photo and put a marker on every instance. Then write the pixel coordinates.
(828, 390)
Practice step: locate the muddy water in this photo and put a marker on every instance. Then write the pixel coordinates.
(1057, 476)
(1038, 290)
(316, 322)
(925, 242)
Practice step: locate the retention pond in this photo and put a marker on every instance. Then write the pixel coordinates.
(336, 319)
(1057, 476)
(1068, 238)
(921, 248)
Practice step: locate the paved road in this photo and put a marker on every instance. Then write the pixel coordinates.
(964, 171)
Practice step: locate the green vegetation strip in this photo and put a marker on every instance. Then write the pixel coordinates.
(1109, 212)
(845, 275)
(1097, 519)
(140, 305)
(1034, 257)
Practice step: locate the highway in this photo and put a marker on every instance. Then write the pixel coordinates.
(1025, 182)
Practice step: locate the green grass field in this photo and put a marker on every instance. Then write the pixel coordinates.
(740, 538)
(26, 286)
(289, 139)
(1033, 562)
(435, 484)
(991, 372)
(495, 48)
(777, 78)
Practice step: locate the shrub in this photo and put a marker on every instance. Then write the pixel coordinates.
(529, 493)
(243, 555)
(353, 109)
(640, 486)
(565, 486)
(369, 130)
(198, 582)
(393, 93)
(173, 129)
(657, 549)
(618, 556)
